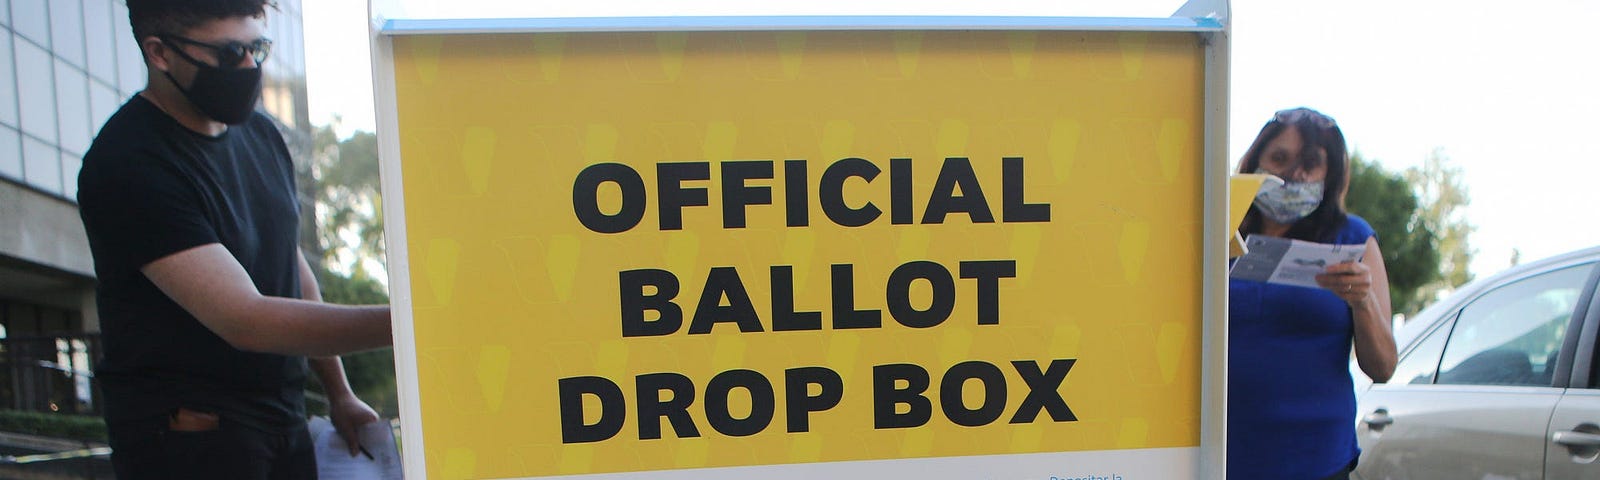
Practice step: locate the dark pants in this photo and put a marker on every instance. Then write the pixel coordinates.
(148, 449)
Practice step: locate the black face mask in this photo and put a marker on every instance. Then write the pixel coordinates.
(226, 95)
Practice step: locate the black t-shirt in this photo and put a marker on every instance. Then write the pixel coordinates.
(150, 188)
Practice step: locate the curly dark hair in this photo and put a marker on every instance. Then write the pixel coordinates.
(154, 17)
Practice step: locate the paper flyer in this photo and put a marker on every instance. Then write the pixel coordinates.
(1290, 262)
(379, 459)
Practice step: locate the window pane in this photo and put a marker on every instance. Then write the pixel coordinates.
(130, 63)
(22, 319)
(70, 164)
(72, 107)
(297, 50)
(100, 46)
(8, 397)
(34, 70)
(8, 83)
(10, 153)
(66, 30)
(1511, 335)
(41, 165)
(28, 17)
(102, 103)
(1418, 366)
(54, 321)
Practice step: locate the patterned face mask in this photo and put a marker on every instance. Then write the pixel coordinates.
(1288, 202)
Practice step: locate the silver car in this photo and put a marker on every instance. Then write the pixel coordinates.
(1500, 381)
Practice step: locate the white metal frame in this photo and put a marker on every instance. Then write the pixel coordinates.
(1207, 18)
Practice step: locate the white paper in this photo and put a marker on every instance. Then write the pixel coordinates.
(1290, 262)
(333, 454)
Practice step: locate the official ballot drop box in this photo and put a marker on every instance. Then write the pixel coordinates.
(807, 247)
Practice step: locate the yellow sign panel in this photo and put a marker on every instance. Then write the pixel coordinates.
(658, 251)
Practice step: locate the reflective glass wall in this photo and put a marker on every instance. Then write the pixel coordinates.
(66, 65)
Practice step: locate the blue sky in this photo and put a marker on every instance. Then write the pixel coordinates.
(1507, 91)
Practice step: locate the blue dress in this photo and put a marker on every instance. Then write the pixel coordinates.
(1291, 403)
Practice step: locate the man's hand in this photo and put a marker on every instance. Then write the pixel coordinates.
(348, 414)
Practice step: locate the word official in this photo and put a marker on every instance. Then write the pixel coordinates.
(738, 194)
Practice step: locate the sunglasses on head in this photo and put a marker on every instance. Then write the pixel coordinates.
(1302, 114)
(229, 55)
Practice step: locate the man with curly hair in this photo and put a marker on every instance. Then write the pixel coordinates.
(208, 308)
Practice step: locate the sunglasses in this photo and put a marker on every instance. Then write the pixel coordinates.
(1302, 114)
(229, 55)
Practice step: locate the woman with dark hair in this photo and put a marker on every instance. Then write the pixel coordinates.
(1291, 400)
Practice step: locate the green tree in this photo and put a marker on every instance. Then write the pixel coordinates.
(341, 229)
(348, 203)
(1390, 204)
(371, 373)
(1438, 186)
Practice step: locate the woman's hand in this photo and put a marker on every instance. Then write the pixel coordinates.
(1364, 285)
(1350, 281)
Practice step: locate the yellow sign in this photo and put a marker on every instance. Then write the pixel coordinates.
(657, 251)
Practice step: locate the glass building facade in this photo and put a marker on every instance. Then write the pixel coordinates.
(65, 67)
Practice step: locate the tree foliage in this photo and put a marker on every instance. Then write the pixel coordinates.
(1438, 186)
(1420, 230)
(371, 373)
(1388, 202)
(342, 229)
(348, 203)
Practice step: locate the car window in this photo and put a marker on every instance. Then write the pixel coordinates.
(1419, 364)
(1512, 334)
